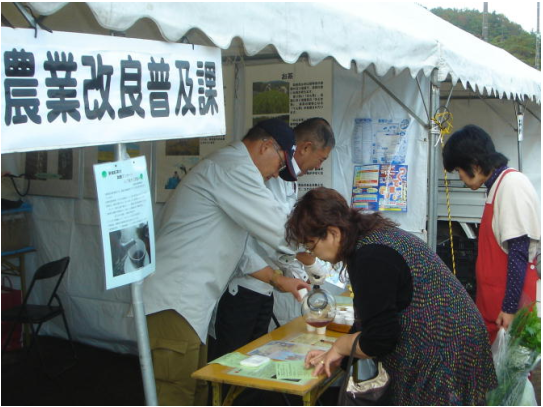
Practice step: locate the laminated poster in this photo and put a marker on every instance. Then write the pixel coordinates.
(380, 141)
(175, 158)
(380, 188)
(292, 93)
(126, 218)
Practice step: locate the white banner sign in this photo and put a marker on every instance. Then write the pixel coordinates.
(126, 217)
(70, 90)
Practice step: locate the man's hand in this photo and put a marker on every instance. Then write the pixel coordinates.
(305, 258)
(282, 283)
(289, 285)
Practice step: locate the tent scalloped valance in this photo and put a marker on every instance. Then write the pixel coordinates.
(387, 35)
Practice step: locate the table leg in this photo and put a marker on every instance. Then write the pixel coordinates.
(233, 392)
(309, 398)
(217, 393)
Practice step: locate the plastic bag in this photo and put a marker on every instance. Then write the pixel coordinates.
(498, 346)
(528, 396)
(514, 361)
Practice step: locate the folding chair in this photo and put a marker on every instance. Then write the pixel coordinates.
(38, 314)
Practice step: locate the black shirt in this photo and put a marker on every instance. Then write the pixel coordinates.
(382, 287)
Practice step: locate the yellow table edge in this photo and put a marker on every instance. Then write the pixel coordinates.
(310, 391)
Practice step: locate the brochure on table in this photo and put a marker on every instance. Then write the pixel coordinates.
(126, 218)
(287, 359)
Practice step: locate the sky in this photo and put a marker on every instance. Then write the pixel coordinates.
(520, 12)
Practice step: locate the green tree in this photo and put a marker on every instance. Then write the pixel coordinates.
(502, 32)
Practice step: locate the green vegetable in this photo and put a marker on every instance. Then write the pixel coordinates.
(518, 355)
(526, 328)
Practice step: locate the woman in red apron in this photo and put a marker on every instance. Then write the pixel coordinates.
(506, 281)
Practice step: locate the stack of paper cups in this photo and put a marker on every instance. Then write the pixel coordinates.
(340, 317)
(349, 316)
(345, 316)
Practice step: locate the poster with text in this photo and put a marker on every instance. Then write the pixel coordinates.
(126, 219)
(379, 141)
(54, 173)
(104, 154)
(293, 93)
(175, 158)
(380, 188)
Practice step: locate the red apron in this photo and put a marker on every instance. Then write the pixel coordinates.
(491, 272)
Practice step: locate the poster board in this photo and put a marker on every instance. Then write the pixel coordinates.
(54, 173)
(176, 157)
(293, 93)
(380, 141)
(380, 188)
(380, 146)
(106, 153)
(126, 219)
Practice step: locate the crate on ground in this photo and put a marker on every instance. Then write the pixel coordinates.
(15, 228)
(470, 285)
(465, 256)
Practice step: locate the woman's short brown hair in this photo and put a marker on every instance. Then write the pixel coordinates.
(321, 208)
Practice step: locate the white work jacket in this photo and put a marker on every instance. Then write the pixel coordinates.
(203, 232)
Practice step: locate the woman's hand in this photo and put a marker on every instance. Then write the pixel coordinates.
(504, 320)
(322, 361)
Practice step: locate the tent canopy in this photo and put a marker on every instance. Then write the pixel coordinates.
(387, 35)
(397, 42)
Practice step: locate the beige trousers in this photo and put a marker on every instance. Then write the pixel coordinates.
(177, 352)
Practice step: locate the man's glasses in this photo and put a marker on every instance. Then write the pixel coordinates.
(281, 155)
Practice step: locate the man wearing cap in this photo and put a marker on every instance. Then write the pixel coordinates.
(245, 309)
(201, 236)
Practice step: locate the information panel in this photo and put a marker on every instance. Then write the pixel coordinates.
(126, 218)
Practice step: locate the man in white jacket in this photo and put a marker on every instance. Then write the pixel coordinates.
(245, 309)
(200, 240)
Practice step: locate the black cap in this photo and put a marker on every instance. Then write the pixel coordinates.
(284, 136)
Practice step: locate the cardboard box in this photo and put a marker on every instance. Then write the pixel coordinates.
(15, 233)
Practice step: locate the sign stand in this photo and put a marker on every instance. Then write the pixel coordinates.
(144, 349)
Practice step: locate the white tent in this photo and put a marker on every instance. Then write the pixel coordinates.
(384, 59)
(385, 35)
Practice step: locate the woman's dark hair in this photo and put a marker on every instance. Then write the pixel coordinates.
(472, 146)
(323, 207)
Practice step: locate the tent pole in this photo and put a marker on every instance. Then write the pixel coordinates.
(519, 109)
(146, 363)
(27, 16)
(433, 135)
(144, 349)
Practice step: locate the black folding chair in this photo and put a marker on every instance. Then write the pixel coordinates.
(32, 314)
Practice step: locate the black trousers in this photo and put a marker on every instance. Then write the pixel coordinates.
(241, 318)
